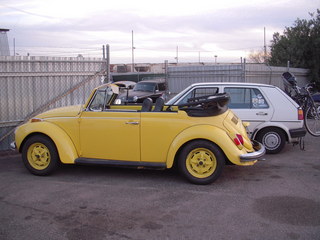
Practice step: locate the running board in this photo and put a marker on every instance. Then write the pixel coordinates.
(118, 163)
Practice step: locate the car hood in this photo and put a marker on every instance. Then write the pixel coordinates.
(69, 111)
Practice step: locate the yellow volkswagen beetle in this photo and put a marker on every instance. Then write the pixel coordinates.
(200, 136)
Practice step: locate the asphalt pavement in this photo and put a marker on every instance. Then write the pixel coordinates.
(275, 199)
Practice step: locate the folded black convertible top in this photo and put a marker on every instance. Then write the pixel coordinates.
(206, 106)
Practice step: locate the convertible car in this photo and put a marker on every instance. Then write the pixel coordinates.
(200, 136)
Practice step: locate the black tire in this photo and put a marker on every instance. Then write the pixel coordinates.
(201, 162)
(274, 139)
(312, 121)
(40, 155)
(317, 105)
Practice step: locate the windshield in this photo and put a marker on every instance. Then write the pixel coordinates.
(175, 98)
(145, 87)
(101, 99)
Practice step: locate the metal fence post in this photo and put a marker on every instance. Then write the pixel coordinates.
(108, 63)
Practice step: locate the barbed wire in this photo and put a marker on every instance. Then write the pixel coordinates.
(67, 51)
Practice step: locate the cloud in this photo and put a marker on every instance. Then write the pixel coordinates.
(208, 27)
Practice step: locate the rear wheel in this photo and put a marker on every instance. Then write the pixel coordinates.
(312, 121)
(40, 156)
(273, 139)
(201, 162)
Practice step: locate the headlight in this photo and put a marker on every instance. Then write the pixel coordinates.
(135, 98)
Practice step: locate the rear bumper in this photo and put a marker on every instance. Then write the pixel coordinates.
(256, 155)
(298, 132)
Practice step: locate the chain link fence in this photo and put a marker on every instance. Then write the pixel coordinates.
(30, 85)
(180, 77)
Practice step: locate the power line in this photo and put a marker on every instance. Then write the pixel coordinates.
(27, 12)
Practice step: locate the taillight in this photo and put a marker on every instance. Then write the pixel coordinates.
(300, 114)
(238, 140)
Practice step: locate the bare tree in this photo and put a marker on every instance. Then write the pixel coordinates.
(258, 56)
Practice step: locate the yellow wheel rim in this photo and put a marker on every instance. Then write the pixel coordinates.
(38, 156)
(201, 163)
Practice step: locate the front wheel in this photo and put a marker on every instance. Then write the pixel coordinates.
(201, 162)
(39, 155)
(312, 121)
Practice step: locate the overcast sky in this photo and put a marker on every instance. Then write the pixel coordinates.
(200, 29)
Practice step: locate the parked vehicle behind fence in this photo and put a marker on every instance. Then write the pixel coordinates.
(153, 88)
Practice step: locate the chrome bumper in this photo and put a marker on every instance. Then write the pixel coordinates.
(297, 133)
(260, 150)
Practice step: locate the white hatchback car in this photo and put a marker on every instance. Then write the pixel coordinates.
(274, 117)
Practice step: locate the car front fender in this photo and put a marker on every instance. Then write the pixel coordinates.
(66, 149)
(211, 133)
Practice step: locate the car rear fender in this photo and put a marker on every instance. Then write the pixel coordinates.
(211, 133)
(283, 127)
(66, 149)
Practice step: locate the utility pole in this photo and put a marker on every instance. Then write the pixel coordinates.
(108, 63)
(166, 76)
(14, 46)
(265, 46)
(132, 47)
(177, 55)
(244, 70)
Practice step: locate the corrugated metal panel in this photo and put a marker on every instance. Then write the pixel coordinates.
(181, 77)
(261, 73)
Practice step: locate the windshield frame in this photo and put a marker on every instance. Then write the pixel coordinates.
(108, 92)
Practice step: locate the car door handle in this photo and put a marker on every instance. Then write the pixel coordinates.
(262, 113)
(133, 123)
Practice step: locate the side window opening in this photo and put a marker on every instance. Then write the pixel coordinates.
(246, 98)
(162, 87)
(199, 92)
(258, 101)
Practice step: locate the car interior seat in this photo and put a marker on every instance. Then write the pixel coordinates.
(159, 104)
(146, 105)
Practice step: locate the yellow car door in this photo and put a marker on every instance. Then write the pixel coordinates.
(110, 135)
(158, 130)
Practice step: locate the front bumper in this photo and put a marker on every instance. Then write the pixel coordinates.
(260, 150)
